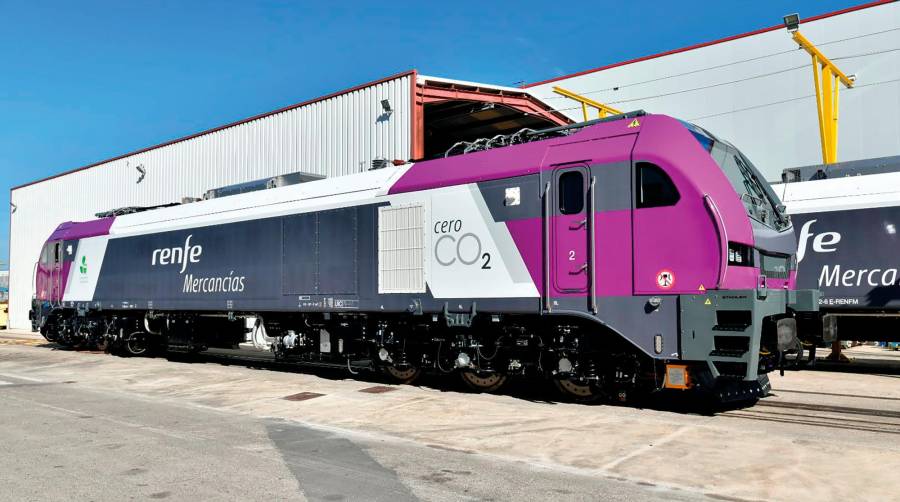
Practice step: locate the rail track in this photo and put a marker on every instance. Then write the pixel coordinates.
(823, 416)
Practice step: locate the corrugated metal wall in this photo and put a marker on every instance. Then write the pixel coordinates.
(336, 136)
(757, 91)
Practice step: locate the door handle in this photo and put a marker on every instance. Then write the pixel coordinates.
(580, 270)
(578, 224)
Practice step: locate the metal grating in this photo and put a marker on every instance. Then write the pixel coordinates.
(401, 249)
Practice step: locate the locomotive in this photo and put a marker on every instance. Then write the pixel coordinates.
(623, 255)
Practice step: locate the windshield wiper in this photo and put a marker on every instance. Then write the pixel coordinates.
(757, 186)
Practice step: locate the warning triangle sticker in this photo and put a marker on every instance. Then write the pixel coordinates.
(634, 123)
(701, 289)
(707, 302)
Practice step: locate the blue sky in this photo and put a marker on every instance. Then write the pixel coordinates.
(84, 81)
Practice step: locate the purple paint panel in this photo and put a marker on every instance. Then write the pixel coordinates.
(520, 160)
(570, 253)
(678, 248)
(50, 278)
(528, 237)
(666, 142)
(737, 277)
(81, 229)
(594, 150)
(613, 268)
(669, 240)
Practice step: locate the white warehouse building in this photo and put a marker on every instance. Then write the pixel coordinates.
(754, 90)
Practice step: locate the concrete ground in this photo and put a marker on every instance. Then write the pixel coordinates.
(90, 426)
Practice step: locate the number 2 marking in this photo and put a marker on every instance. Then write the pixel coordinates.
(572, 255)
(487, 261)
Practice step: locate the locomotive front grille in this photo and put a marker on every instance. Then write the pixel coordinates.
(774, 266)
(731, 346)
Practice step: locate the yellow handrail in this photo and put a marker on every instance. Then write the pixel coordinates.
(602, 110)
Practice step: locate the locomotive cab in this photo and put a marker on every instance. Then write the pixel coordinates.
(757, 286)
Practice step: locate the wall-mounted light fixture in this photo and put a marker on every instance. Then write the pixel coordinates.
(792, 22)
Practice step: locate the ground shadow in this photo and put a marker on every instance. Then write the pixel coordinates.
(531, 389)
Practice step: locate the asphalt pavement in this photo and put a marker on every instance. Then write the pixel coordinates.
(80, 425)
(62, 441)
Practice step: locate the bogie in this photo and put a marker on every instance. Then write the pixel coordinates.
(583, 363)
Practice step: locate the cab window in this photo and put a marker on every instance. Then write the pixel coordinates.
(654, 187)
(571, 192)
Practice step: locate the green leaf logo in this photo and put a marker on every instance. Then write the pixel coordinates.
(83, 266)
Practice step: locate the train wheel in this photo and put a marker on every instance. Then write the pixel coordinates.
(403, 375)
(136, 344)
(482, 381)
(577, 390)
(49, 334)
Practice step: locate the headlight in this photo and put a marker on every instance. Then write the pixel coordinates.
(740, 254)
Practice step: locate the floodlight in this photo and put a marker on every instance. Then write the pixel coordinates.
(792, 22)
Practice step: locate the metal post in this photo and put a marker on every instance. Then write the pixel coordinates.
(823, 135)
(827, 102)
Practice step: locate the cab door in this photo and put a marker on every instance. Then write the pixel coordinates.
(42, 274)
(55, 271)
(569, 229)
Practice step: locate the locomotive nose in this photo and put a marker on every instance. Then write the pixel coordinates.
(769, 240)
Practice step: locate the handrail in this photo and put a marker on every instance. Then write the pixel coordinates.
(723, 237)
(592, 245)
(547, 247)
(602, 109)
(34, 278)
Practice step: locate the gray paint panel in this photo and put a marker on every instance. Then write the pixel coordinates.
(494, 195)
(768, 239)
(299, 254)
(337, 251)
(505, 244)
(614, 186)
(630, 317)
(614, 192)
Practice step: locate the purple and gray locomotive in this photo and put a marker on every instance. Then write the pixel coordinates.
(634, 253)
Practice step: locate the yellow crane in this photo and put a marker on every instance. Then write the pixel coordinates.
(828, 79)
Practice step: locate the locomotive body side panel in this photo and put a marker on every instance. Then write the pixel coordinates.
(308, 261)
